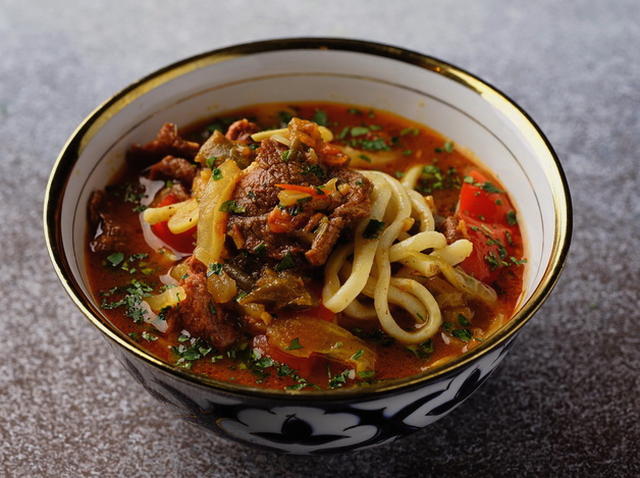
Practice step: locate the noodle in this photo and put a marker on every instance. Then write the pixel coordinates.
(363, 267)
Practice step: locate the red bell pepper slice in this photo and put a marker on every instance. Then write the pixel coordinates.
(183, 242)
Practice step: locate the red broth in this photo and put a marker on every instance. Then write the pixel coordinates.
(414, 144)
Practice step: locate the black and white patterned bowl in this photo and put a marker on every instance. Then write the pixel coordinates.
(459, 105)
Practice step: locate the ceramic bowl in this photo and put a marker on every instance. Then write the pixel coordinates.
(450, 100)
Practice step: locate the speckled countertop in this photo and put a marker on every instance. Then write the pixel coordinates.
(565, 402)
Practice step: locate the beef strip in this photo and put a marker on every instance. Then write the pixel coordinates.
(241, 131)
(167, 142)
(257, 194)
(110, 234)
(171, 167)
(199, 314)
(450, 228)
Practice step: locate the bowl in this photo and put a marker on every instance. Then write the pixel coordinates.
(446, 98)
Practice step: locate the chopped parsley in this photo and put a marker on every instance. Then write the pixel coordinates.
(314, 169)
(131, 301)
(294, 344)
(285, 155)
(462, 334)
(518, 262)
(287, 262)
(211, 161)
(512, 220)
(260, 249)
(364, 157)
(214, 268)
(190, 349)
(434, 179)
(284, 117)
(446, 148)
(421, 351)
(354, 111)
(411, 131)
(357, 355)
(232, 206)
(149, 337)
(407, 152)
(463, 321)
(366, 374)
(340, 379)
(373, 229)
(216, 174)
(320, 117)
(115, 259)
(359, 131)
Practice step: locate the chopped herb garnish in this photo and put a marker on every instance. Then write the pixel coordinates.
(412, 131)
(354, 111)
(498, 202)
(366, 374)
(372, 145)
(320, 117)
(359, 131)
(294, 344)
(287, 262)
(214, 268)
(115, 259)
(518, 262)
(251, 195)
(314, 169)
(216, 174)
(150, 337)
(364, 157)
(423, 350)
(407, 152)
(260, 248)
(463, 334)
(284, 117)
(398, 174)
(490, 188)
(211, 161)
(357, 355)
(340, 380)
(285, 155)
(468, 180)
(232, 206)
(373, 229)
(512, 220)
(462, 320)
(134, 293)
(446, 148)
(343, 134)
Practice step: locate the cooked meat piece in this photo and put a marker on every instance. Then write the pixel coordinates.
(257, 194)
(280, 289)
(95, 204)
(110, 235)
(450, 228)
(167, 142)
(199, 314)
(220, 148)
(242, 130)
(171, 167)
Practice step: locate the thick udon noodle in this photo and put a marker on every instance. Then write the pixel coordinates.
(363, 266)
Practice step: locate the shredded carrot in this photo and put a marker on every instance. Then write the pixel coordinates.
(303, 189)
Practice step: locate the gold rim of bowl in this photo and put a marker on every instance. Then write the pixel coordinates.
(70, 153)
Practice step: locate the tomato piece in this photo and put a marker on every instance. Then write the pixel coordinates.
(183, 242)
(491, 245)
(320, 312)
(481, 200)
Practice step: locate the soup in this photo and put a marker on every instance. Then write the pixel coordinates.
(305, 247)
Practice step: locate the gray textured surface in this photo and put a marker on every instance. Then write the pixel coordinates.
(565, 402)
